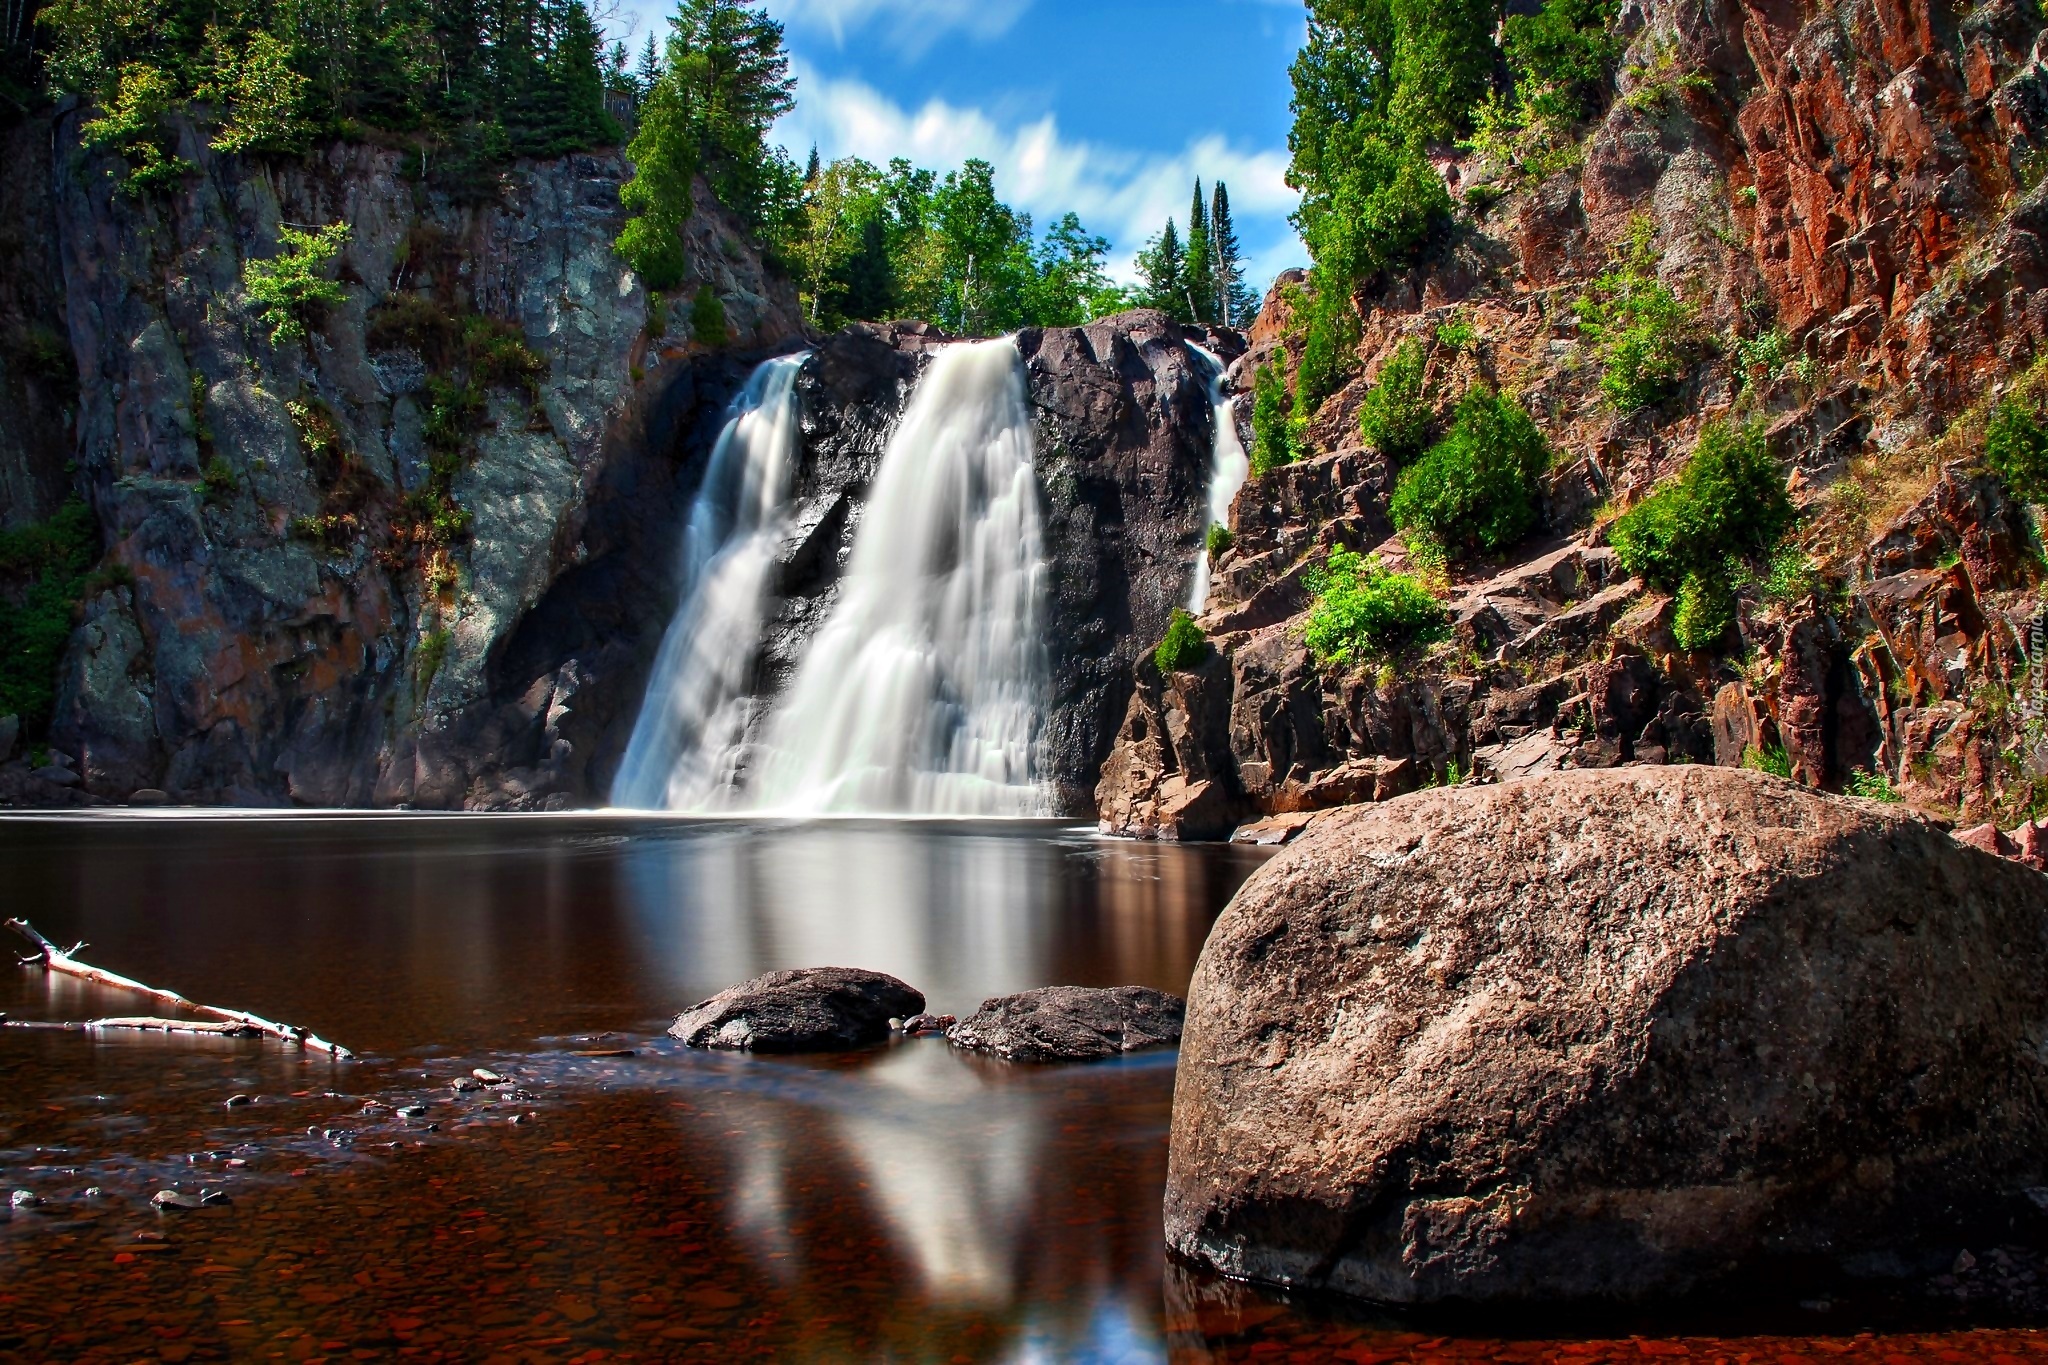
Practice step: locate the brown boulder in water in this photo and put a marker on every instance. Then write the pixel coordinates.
(1611, 1035)
(811, 1009)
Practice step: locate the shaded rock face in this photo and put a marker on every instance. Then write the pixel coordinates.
(1071, 1023)
(1611, 1035)
(812, 1009)
(253, 661)
(38, 378)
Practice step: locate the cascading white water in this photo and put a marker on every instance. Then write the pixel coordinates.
(1228, 469)
(923, 692)
(687, 740)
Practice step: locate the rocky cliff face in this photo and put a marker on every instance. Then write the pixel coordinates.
(1861, 179)
(327, 554)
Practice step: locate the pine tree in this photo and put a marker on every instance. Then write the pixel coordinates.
(1160, 266)
(1235, 301)
(814, 167)
(649, 69)
(732, 75)
(1198, 265)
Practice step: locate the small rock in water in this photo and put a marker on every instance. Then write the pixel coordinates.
(25, 1199)
(463, 1084)
(412, 1111)
(174, 1199)
(372, 1109)
(237, 1101)
(818, 1009)
(214, 1199)
(927, 1023)
(488, 1076)
(1072, 1023)
(94, 1192)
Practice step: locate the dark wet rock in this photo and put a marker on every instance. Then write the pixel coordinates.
(25, 1199)
(812, 1009)
(1071, 1023)
(1611, 1035)
(173, 1201)
(920, 1024)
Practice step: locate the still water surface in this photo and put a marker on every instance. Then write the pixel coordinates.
(907, 1204)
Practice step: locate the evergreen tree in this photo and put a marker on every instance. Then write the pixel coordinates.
(814, 167)
(1236, 304)
(730, 69)
(1160, 267)
(648, 71)
(1198, 265)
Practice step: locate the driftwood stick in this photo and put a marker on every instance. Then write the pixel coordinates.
(221, 1029)
(56, 959)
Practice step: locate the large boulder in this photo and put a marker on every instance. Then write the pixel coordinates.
(1612, 1034)
(1071, 1023)
(811, 1009)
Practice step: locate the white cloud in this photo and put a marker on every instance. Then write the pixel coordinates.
(910, 26)
(1124, 194)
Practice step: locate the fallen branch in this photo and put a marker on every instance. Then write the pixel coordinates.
(139, 1025)
(53, 958)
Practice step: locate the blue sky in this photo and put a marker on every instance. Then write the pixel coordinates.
(1110, 109)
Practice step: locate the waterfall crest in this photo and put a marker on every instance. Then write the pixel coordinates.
(687, 740)
(1229, 466)
(923, 693)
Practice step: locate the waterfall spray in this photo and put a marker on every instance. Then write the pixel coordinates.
(923, 692)
(1228, 469)
(687, 741)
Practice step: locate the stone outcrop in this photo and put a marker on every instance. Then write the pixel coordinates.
(811, 1009)
(276, 631)
(1071, 1023)
(1611, 1035)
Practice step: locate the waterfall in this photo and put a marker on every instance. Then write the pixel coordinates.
(923, 692)
(687, 741)
(1228, 469)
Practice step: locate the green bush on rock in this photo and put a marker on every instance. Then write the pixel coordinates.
(1476, 488)
(44, 572)
(1184, 644)
(1395, 418)
(1364, 610)
(2016, 448)
(1727, 506)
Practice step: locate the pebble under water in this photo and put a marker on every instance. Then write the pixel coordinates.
(601, 1193)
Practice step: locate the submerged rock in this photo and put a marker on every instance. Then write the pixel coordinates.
(812, 1009)
(1611, 1034)
(1071, 1023)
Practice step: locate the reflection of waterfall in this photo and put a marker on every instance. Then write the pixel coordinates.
(922, 693)
(686, 743)
(1228, 468)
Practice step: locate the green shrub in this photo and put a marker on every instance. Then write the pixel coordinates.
(1768, 351)
(2016, 448)
(1395, 417)
(1363, 610)
(707, 318)
(1773, 760)
(1183, 645)
(132, 124)
(1270, 445)
(1456, 332)
(1872, 786)
(289, 285)
(427, 660)
(1476, 488)
(1218, 540)
(1645, 336)
(44, 570)
(1727, 506)
(1329, 346)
